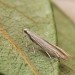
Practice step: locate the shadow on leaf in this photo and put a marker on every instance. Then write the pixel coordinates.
(1, 73)
(66, 70)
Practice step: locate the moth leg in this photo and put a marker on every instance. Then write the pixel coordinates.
(33, 49)
(50, 61)
(48, 54)
(26, 44)
(57, 55)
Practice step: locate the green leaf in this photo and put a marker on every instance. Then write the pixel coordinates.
(14, 17)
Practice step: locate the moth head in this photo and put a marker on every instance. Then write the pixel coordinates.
(26, 30)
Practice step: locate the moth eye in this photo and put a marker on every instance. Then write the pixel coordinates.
(25, 30)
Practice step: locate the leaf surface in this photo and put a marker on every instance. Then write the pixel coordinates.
(14, 17)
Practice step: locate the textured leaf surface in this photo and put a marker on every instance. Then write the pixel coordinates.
(14, 17)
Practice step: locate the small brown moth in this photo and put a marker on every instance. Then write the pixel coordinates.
(47, 47)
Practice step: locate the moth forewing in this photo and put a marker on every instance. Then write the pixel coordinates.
(49, 48)
(65, 54)
(61, 52)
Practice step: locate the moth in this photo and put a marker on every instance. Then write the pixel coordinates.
(50, 49)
